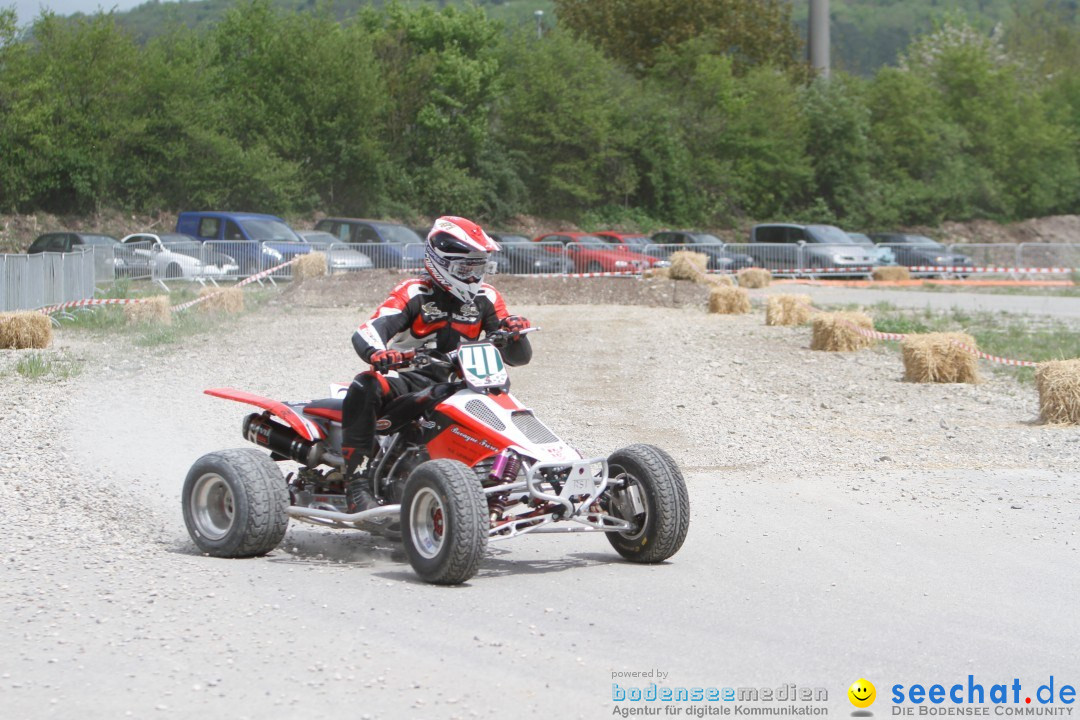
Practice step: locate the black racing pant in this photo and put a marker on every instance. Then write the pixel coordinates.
(367, 398)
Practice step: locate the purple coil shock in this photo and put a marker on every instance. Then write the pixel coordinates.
(505, 467)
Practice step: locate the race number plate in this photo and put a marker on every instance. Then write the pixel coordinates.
(482, 366)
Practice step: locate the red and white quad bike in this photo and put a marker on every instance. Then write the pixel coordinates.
(458, 464)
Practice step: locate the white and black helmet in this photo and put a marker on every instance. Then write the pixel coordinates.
(457, 255)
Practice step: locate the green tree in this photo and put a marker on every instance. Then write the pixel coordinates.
(921, 167)
(838, 144)
(751, 32)
(1009, 129)
(745, 135)
(442, 71)
(65, 98)
(563, 114)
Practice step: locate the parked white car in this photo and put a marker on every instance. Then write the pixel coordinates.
(885, 256)
(174, 256)
(339, 259)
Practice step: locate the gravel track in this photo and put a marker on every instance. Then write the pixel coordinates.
(844, 524)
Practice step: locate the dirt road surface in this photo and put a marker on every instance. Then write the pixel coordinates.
(844, 524)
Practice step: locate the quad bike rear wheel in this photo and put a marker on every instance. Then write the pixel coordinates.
(661, 513)
(235, 503)
(444, 521)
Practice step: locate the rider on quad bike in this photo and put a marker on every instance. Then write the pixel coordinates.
(447, 305)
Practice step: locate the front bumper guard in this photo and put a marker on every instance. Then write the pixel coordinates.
(585, 482)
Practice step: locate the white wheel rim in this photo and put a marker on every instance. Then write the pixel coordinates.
(427, 523)
(212, 506)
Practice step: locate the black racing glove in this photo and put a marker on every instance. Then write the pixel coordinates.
(383, 360)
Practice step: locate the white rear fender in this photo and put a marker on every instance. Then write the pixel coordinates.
(509, 419)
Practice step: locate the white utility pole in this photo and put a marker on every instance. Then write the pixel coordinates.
(817, 36)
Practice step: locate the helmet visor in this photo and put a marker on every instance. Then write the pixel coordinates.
(470, 270)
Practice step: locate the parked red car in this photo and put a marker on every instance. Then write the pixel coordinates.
(591, 254)
(624, 241)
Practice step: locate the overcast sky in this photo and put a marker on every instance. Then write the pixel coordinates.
(29, 9)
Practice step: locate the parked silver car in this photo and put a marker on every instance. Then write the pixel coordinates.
(342, 259)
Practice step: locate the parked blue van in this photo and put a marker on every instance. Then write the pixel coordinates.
(256, 240)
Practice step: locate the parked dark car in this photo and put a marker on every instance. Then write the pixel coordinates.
(520, 256)
(789, 245)
(390, 245)
(125, 265)
(720, 258)
(915, 250)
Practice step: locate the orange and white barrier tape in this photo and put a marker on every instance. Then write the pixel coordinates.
(878, 335)
(246, 281)
(858, 270)
(92, 302)
(89, 303)
(616, 273)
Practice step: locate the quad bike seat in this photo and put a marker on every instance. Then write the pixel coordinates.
(327, 408)
(401, 410)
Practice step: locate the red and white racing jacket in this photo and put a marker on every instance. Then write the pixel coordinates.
(419, 312)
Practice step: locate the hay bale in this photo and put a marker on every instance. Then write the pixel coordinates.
(936, 357)
(22, 330)
(310, 265)
(788, 310)
(658, 273)
(150, 310)
(687, 265)
(719, 280)
(833, 332)
(1059, 391)
(891, 273)
(754, 278)
(729, 300)
(228, 301)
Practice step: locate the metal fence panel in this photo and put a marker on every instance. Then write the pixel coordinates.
(349, 257)
(718, 256)
(988, 254)
(28, 282)
(912, 256)
(1065, 255)
(248, 254)
(412, 256)
(781, 258)
(105, 262)
(15, 275)
(132, 261)
(532, 258)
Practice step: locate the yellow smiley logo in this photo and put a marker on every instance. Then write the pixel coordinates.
(862, 693)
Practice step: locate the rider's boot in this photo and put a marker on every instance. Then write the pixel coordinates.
(358, 493)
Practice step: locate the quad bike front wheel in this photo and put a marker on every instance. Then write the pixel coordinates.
(653, 498)
(235, 503)
(444, 521)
